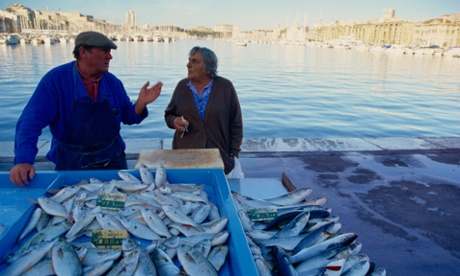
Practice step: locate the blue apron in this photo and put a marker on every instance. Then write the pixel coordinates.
(92, 138)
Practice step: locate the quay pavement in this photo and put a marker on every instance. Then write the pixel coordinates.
(401, 196)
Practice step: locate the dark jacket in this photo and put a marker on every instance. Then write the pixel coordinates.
(223, 124)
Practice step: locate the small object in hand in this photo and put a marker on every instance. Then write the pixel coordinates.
(185, 129)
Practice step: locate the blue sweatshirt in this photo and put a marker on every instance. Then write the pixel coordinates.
(51, 103)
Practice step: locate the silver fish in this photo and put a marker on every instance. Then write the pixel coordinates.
(218, 255)
(329, 244)
(320, 261)
(177, 216)
(160, 177)
(98, 269)
(155, 223)
(53, 208)
(321, 234)
(65, 259)
(146, 174)
(163, 263)
(291, 198)
(128, 186)
(28, 260)
(31, 223)
(201, 213)
(380, 271)
(352, 260)
(43, 267)
(79, 225)
(95, 256)
(145, 265)
(193, 262)
(65, 193)
(189, 197)
(360, 268)
(294, 227)
(127, 176)
(138, 229)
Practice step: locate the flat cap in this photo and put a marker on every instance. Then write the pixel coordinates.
(94, 39)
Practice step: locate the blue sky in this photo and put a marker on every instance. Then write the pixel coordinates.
(247, 14)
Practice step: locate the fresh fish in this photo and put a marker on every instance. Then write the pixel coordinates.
(127, 265)
(200, 214)
(285, 243)
(65, 259)
(155, 223)
(245, 221)
(177, 216)
(360, 268)
(352, 260)
(161, 180)
(31, 223)
(127, 176)
(129, 186)
(146, 174)
(329, 244)
(44, 267)
(294, 227)
(163, 263)
(28, 260)
(65, 193)
(139, 230)
(145, 265)
(284, 265)
(291, 198)
(53, 208)
(321, 260)
(261, 234)
(97, 270)
(214, 213)
(160, 198)
(95, 256)
(79, 225)
(193, 261)
(47, 234)
(262, 266)
(334, 268)
(189, 197)
(321, 234)
(218, 255)
(42, 222)
(379, 272)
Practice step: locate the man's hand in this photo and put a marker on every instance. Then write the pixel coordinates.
(147, 95)
(22, 173)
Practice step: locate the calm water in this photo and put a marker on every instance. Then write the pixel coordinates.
(286, 91)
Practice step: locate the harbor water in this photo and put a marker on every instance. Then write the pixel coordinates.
(285, 91)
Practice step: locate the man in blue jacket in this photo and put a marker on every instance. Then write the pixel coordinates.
(83, 105)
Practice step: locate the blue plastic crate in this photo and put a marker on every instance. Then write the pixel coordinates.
(16, 206)
(239, 261)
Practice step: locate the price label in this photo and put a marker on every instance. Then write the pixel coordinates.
(111, 201)
(263, 213)
(109, 239)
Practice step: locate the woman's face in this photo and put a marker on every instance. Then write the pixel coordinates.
(196, 68)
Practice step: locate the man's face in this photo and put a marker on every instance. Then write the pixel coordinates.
(98, 59)
(196, 67)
